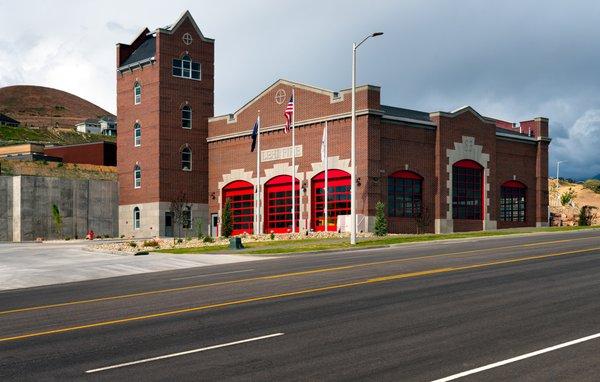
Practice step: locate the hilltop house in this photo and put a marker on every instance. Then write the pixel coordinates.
(106, 125)
(8, 121)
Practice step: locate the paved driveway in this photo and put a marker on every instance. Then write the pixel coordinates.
(24, 265)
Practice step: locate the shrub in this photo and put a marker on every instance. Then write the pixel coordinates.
(60, 164)
(272, 235)
(226, 222)
(67, 238)
(132, 244)
(380, 220)
(179, 240)
(208, 239)
(151, 243)
(587, 215)
(567, 197)
(592, 184)
(57, 220)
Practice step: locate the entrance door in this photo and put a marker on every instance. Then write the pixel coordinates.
(278, 204)
(214, 225)
(338, 196)
(168, 224)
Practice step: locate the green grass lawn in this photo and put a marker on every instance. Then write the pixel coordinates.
(16, 135)
(314, 245)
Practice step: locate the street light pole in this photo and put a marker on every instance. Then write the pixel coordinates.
(353, 142)
(558, 168)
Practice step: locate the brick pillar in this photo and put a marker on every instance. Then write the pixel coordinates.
(541, 173)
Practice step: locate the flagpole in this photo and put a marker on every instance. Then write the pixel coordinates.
(326, 179)
(258, 228)
(294, 162)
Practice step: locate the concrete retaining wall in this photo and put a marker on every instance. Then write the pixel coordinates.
(83, 205)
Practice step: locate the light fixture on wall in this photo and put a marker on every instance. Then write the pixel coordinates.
(213, 196)
(304, 185)
(358, 181)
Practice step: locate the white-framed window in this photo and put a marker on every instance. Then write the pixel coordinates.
(137, 176)
(136, 218)
(186, 159)
(137, 93)
(186, 117)
(137, 135)
(184, 67)
(187, 217)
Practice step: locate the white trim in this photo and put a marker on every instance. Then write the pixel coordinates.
(173, 28)
(137, 221)
(409, 120)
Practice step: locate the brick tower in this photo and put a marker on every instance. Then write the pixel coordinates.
(165, 95)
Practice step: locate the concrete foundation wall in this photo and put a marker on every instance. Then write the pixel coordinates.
(83, 205)
(6, 204)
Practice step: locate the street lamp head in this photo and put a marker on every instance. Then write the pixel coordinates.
(376, 34)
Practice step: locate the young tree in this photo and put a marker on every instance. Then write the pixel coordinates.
(587, 215)
(57, 220)
(381, 228)
(226, 220)
(179, 214)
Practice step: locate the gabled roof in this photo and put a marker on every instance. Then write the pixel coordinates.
(169, 29)
(464, 109)
(143, 52)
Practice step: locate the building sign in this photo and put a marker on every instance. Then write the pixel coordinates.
(279, 153)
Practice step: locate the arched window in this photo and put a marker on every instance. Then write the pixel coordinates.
(513, 201)
(186, 117)
(405, 194)
(137, 93)
(136, 218)
(137, 135)
(186, 68)
(467, 190)
(186, 159)
(137, 176)
(241, 201)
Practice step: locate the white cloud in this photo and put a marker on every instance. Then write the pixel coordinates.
(581, 146)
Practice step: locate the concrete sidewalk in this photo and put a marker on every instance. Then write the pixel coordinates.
(24, 265)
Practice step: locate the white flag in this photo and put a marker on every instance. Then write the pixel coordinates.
(324, 147)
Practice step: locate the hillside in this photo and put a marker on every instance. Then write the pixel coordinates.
(40, 106)
(583, 197)
(15, 135)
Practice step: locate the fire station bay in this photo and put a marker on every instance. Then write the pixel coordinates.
(434, 171)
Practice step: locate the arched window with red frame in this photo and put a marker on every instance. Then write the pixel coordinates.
(405, 194)
(278, 204)
(513, 201)
(338, 199)
(467, 190)
(241, 198)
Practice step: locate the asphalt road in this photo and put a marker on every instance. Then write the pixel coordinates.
(421, 312)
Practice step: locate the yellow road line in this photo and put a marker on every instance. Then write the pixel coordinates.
(282, 275)
(294, 293)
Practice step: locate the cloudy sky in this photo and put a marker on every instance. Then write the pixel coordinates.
(513, 60)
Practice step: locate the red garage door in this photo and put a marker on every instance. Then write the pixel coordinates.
(338, 196)
(241, 197)
(278, 204)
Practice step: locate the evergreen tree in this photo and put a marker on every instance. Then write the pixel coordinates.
(226, 220)
(381, 228)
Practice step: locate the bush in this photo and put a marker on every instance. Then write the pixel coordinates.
(592, 184)
(380, 220)
(208, 239)
(179, 241)
(272, 235)
(151, 243)
(132, 244)
(587, 215)
(60, 164)
(226, 222)
(67, 238)
(567, 197)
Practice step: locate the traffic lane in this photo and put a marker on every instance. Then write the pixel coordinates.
(208, 296)
(575, 363)
(169, 279)
(419, 329)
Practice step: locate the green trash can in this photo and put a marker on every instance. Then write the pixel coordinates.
(235, 243)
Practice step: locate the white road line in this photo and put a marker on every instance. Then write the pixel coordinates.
(519, 358)
(183, 353)
(212, 274)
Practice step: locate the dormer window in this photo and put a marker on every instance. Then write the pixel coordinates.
(186, 68)
(137, 93)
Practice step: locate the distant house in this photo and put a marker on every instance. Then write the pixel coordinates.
(90, 125)
(106, 125)
(8, 121)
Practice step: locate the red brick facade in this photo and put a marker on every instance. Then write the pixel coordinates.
(390, 141)
(98, 153)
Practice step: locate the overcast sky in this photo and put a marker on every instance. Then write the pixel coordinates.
(512, 60)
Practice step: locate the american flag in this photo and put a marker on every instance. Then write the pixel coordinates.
(289, 111)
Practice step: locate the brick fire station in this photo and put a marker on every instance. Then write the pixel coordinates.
(434, 171)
